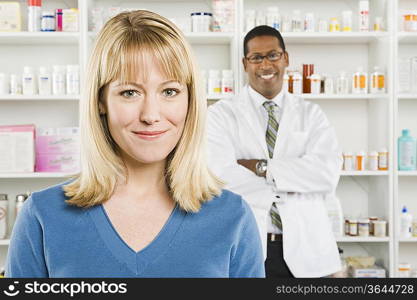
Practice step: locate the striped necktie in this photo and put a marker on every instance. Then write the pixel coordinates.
(271, 136)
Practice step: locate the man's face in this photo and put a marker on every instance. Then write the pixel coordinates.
(266, 76)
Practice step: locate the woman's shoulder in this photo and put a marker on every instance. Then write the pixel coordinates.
(50, 200)
(228, 203)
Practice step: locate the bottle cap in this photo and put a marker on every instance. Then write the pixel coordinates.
(405, 131)
(34, 2)
(404, 210)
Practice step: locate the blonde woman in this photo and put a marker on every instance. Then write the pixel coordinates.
(145, 203)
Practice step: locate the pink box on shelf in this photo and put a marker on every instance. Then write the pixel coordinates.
(57, 144)
(68, 163)
(17, 148)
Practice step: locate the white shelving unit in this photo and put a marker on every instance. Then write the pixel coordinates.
(362, 122)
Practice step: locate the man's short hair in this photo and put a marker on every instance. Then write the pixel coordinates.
(262, 31)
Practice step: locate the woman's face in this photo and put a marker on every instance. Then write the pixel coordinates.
(146, 117)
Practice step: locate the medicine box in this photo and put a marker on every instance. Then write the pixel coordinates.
(372, 272)
(10, 18)
(17, 148)
(68, 163)
(56, 143)
(70, 20)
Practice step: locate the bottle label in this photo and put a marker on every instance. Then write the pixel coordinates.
(407, 155)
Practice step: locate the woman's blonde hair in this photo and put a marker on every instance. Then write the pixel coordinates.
(114, 57)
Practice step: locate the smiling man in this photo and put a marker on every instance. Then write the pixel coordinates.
(281, 154)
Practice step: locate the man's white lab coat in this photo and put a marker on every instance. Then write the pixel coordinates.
(305, 169)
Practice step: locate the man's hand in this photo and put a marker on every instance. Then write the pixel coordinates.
(249, 164)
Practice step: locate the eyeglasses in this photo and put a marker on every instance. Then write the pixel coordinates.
(272, 57)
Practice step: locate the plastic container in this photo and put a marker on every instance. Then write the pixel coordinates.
(28, 81)
(383, 159)
(296, 23)
(406, 223)
(297, 83)
(328, 85)
(360, 82)
(44, 81)
(380, 228)
(73, 80)
(34, 15)
(309, 23)
(58, 19)
(406, 152)
(342, 84)
(348, 161)
(372, 161)
(58, 80)
(48, 21)
(378, 24)
(273, 18)
(315, 84)
(377, 81)
(363, 227)
(360, 161)
(404, 270)
(347, 20)
(353, 227)
(334, 25)
(372, 225)
(214, 83)
(227, 82)
(15, 85)
(364, 15)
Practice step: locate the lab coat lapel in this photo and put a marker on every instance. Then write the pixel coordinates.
(251, 122)
(289, 121)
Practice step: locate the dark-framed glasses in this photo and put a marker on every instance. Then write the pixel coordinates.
(272, 56)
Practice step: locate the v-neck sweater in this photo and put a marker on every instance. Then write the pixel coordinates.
(53, 239)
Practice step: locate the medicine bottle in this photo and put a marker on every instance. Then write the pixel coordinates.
(227, 82)
(380, 228)
(286, 23)
(364, 15)
(360, 82)
(348, 162)
(214, 83)
(58, 80)
(58, 19)
(273, 18)
(372, 161)
(48, 21)
(309, 23)
(323, 26)
(347, 21)
(296, 24)
(44, 81)
(328, 85)
(372, 225)
(360, 161)
(377, 81)
(315, 81)
(404, 270)
(378, 26)
(334, 25)
(73, 80)
(20, 199)
(342, 84)
(290, 81)
(383, 160)
(297, 83)
(34, 15)
(363, 227)
(15, 85)
(28, 81)
(353, 227)
(4, 204)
